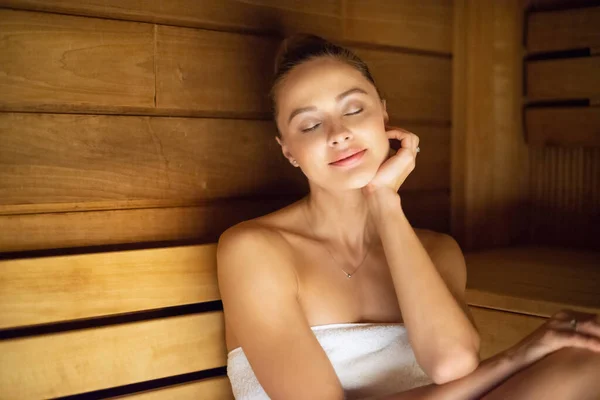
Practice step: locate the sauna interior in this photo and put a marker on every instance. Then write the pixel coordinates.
(133, 133)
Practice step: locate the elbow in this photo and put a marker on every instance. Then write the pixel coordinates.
(454, 366)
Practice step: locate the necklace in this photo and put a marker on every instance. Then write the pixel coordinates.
(348, 275)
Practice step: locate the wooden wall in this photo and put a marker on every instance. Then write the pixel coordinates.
(526, 124)
(132, 125)
(130, 122)
(562, 122)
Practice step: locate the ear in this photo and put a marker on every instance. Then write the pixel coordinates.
(286, 152)
(386, 117)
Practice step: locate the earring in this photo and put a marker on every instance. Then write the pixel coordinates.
(294, 162)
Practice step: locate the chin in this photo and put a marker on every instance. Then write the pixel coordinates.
(356, 179)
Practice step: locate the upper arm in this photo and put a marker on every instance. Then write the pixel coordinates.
(446, 255)
(258, 288)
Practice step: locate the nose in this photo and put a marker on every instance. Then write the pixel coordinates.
(338, 135)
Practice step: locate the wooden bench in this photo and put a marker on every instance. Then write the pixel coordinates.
(145, 324)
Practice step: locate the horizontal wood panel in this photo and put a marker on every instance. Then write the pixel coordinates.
(61, 288)
(569, 127)
(277, 16)
(206, 389)
(71, 160)
(66, 61)
(424, 25)
(216, 71)
(572, 78)
(60, 158)
(238, 76)
(399, 23)
(91, 359)
(202, 223)
(416, 87)
(501, 330)
(94, 228)
(563, 30)
(534, 280)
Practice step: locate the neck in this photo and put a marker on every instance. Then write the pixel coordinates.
(342, 218)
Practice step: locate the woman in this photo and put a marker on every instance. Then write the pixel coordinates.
(337, 296)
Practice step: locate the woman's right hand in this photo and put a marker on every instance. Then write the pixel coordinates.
(559, 332)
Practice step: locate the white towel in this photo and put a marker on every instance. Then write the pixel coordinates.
(370, 359)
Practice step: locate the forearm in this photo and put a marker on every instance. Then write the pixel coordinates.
(438, 328)
(489, 374)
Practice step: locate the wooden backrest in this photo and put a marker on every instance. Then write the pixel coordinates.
(113, 322)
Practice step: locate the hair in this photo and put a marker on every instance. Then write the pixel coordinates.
(301, 48)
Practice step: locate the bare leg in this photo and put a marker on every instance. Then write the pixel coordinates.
(569, 373)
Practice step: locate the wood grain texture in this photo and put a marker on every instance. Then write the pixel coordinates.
(567, 127)
(58, 162)
(571, 78)
(422, 25)
(416, 87)
(61, 288)
(265, 16)
(200, 223)
(534, 280)
(78, 361)
(501, 330)
(206, 389)
(62, 158)
(563, 30)
(565, 197)
(490, 179)
(216, 71)
(50, 60)
(229, 73)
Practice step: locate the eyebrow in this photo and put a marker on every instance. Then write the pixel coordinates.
(337, 98)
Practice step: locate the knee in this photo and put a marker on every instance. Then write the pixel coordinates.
(573, 364)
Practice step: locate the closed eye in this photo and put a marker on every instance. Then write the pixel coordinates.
(312, 128)
(355, 112)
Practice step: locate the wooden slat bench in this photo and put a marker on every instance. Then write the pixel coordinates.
(130, 324)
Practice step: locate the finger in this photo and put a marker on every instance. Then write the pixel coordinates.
(407, 140)
(575, 339)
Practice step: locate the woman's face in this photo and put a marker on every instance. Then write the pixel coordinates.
(327, 110)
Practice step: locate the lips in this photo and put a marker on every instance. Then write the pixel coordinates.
(349, 158)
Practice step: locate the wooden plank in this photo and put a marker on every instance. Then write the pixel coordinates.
(59, 162)
(206, 389)
(501, 330)
(563, 30)
(572, 78)
(570, 127)
(202, 223)
(216, 71)
(60, 158)
(416, 87)
(65, 61)
(60, 288)
(534, 280)
(275, 16)
(487, 136)
(423, 25)
(84, 360)
(238, 76)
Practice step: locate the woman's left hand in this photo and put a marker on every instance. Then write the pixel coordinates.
(394, 171)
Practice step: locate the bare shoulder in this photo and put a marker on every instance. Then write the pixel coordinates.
(439, 245)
